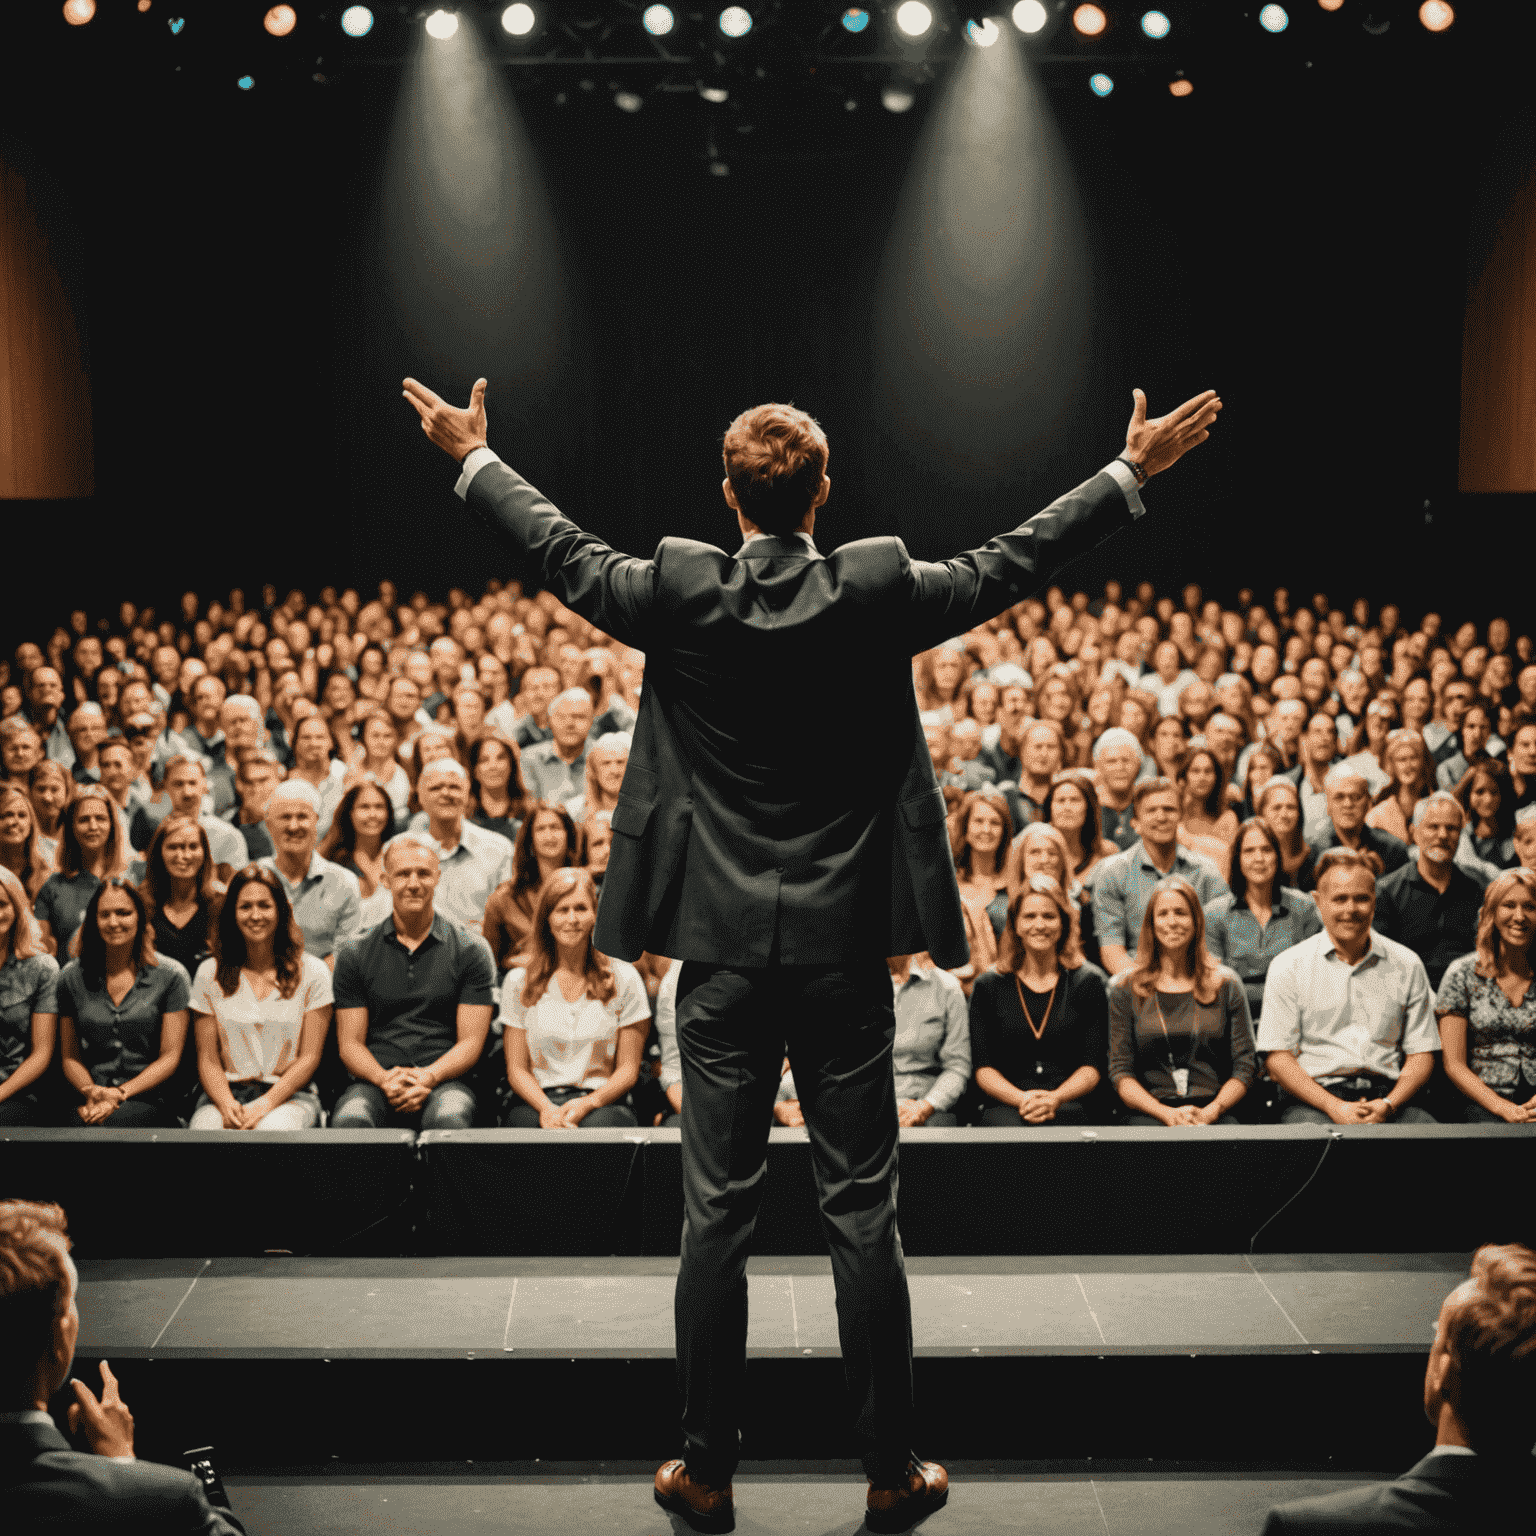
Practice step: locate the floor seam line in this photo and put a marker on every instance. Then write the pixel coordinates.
(1083, 1290)
(180, 1304)
(506, 1332)
(794, 1311)
(1283, 1313)
(1097, 1500)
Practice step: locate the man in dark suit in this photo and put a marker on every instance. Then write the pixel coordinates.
(44, 1485)
(782, 863)
(1480, 1394)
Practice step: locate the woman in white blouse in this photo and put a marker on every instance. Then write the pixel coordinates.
(261, 1007)
(574, 1022)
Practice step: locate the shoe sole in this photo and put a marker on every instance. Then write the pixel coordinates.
(906, 1516)
(709, 1525)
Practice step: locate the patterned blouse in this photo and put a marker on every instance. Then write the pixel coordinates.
(1501, 1039)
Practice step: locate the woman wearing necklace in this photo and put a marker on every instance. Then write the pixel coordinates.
(1180, 1037)
(1038, 1020)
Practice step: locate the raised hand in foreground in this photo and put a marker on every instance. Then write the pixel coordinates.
(1163, 441)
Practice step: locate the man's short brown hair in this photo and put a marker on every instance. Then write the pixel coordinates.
(1345, 859)
(34, 1288)
(775, 457)
(1491, 1335)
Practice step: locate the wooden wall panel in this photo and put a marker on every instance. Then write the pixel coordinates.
(1498, 359)
(46, 448)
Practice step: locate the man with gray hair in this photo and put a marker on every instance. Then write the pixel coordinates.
(326, 899)
(1348, 798)
(473, 860)
(87, 731)
(556, 770)
(1117, 762)
(1432, 905)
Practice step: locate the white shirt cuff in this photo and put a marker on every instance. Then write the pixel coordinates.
(122, 1458)
(1120, 472)
(480, 457)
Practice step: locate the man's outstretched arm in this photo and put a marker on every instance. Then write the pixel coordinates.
(611, 590)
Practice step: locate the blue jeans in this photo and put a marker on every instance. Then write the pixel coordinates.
(362, 1107)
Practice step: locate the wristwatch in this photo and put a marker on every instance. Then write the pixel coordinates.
(1135, 468)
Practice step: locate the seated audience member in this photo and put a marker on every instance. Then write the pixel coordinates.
(260, 1009)
(1126, 881)
(21, 749)
(1208, 824)
(473, 862)
(1279, 807)
(359, 830)
(1475, 735)
(374, 759)
(1261, 916)
(19, 850)
(965, 744)
(1430, 905)
(413, 1007)
(122, 1014)
(44, 1485)
(257, 775)
(114, 763)
(1170, 741)
(1224, 735)
(1412, 777)
(50, 789)
(596, 845)
(1072, 807)
(179, 891)
(556, 769)
(1487, 1012)
(1522, 766)
(1042, 755)
(670, 1073)
(326, 901)
(1264, 764)
(607, 759)
(1037, 1062)
(45, 710)
(1180, 1036)
(1487, 843)
(1117, 761)
(980, 833)
(1348, 1030)
(87, 731)
(1367, 747)
(314, 765)
(938, 677)
(28, 1007)
(1317, 753)
(547, 841)
(932, 1051)
(1349, 826)
(1002, 755)
(536, 692)
(185, 785)
(500, 798)
(90, 850)
(574, 1022)
(1480, 1396)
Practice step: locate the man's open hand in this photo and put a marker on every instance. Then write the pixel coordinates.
(107, 1424)
(456, 432)
(1165, 440)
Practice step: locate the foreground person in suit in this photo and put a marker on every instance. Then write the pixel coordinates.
(45, 1486)
(1480, 1394)
(781, 862)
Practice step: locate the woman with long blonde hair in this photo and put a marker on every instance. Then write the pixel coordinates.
(20, 850)
(28, 1006)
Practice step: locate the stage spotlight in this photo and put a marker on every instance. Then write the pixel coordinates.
(1331, 5)
(735, 21)
(855, 20)
(78, 12)
(982, 33)
(658, 20)
(896, 98)
(627, 101)
(1436, 15)
(280, 20)
(442, 25)
(1030, 16)
(245, 82)
(1101, 85)
(1179, 88)
(914, 18)
(714, 93)
(1273, 18)
(518, 20)
(1156, 24)
(357, 21)
(143, 6)
(1089, 20)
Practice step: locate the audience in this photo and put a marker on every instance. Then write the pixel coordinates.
(669, 1060)
(20, 850)
(980, 831)
(1072, 807)
(1117, 761)
(499, 798)
(1348, 823)
(326, 901)
(546, 841)
(607, 758)
(91, 849)
(1208, 823)
(1411, 778)
(932, 1050)
(359, 830)
(258, 774)
(1487, 842)
(50, 789)
(556, 769)
(179, 890)
(186, 785)
(28, 1007)
(472, 861)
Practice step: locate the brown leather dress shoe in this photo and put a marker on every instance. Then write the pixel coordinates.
(897, 1509)
(706, 1509)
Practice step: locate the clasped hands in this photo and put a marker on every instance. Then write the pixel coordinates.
(1188, 1114)
(1360, 1112)
(100, 1101)
(407, 1088)
(564, 1117)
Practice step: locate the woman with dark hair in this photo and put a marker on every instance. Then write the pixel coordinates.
(363, 823)
(1072, 807)
(980, 831)
(261, 1007)
(573, 1022)
(1056, 699)
(546, 841)
(1208, 823)
(1263, 763)
(1487, 844)
(1367, 748)
(372, 673)
(19, 850)
(28, 1007)
(92, 848)
(1279, 807)
(122, 1014)
(106, 689)
(1411, 777)
(938, 677)
(1038, 1019)
(1170, 740)
(50, 788)
(498, 795)
(373, 760)
(1247, 928)
(1180, 1037)
(179, 890)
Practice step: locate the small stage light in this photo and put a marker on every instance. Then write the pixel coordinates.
(1156, 24)
(914, 18)
(245, 82)
(143, 6)
(714, 93)
(1436, 15)
(1274, 19)
(735, 21)
(982, 33)
(720, 168)
(78, 12)
(1179, 88)
(1331, 5)
(627, 101)
(442, 25)
(658, 20)
(855, 20)
(1089, 20)
(1101, 85)
(357, 21)
(280, 20)
(176, 23)
(1030, 16)
(896, 98)
(517, 19)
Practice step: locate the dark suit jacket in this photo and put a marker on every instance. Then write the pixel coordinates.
(779, 786)
(1442, 1493)
(45, 1486)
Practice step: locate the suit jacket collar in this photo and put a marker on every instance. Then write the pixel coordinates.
(39, 1437)
(1455, 1471)
(768, 546)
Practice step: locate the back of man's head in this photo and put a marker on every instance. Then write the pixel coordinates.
(34, 1290)
(775, 457)
(1491, 1335)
